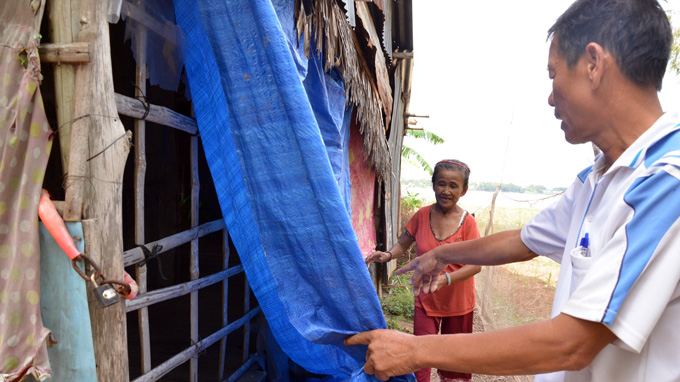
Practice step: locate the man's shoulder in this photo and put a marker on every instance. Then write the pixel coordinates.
(666, 147)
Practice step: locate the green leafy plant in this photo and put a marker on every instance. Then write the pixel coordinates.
(675, 49)
(412, 156)
(398, 303)
(412, 202)
(392, 323)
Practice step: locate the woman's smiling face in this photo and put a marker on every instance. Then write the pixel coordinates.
(448, 187)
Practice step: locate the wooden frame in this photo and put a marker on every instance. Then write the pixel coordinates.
(94, 193)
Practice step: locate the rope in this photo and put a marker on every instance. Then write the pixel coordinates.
(533, 201)
(125, 134)
(142, 99)
(83, 116)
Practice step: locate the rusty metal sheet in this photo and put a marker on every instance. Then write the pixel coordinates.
(350, 12)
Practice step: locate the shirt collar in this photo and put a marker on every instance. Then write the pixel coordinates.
(633, 156)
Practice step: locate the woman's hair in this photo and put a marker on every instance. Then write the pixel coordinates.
(452, 164)
(636, 32)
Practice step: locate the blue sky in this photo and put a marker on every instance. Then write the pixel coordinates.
(480, 74)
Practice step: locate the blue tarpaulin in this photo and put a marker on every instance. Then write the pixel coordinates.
(276, 186)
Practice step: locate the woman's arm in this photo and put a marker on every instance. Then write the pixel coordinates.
(464, 273)
(461, 274)
(404, 243)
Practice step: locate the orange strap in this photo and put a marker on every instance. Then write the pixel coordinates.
(55, 225)
(134, 288)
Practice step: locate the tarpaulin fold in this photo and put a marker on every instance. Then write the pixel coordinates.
(275, 184)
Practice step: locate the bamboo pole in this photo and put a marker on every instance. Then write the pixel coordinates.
(225, 298)
(64, 27)
(194, 271)
(96, 166)
(140, 177)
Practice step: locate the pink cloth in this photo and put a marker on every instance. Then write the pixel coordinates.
(362, 177)
(25, 146)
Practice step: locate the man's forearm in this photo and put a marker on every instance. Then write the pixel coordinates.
(564, 343)
(500, 248)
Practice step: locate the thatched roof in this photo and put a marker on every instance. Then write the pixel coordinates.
(340, 47)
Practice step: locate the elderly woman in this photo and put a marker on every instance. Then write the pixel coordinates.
(450, 308)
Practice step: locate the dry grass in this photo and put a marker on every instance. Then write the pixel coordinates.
(540, 268)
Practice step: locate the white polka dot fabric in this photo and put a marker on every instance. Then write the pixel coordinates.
(25, 143)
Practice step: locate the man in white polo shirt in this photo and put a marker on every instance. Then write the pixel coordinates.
(615, 231)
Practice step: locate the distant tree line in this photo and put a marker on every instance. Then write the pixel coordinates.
(491, 186)
(509, 187)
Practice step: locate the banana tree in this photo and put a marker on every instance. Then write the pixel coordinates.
(413, 157)
(675, 48)
(675, 51)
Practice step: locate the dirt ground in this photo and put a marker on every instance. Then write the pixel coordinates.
(479, 327)
(507, 297)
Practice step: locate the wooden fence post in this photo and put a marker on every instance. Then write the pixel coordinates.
(63, 15)
(99, 149)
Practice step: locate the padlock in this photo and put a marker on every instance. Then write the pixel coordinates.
(106, 295)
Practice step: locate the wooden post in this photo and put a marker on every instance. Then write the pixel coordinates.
(489, 227)
(391, 183)
(64, 27)
(140, 176)
(246, 325)
(225, 298)
(194, 271)
(99, 149)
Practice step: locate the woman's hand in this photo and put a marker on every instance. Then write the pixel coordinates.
(436, 283)
(378, 257)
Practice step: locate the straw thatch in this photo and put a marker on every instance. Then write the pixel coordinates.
(340, 48)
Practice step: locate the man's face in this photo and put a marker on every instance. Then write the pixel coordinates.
(570, 96)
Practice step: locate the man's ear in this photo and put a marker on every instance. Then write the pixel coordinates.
(596, 63)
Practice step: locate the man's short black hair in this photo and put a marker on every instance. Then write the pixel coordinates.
(636, 32)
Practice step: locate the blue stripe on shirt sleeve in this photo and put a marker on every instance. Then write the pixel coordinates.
(662, 147)
(655, 201)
